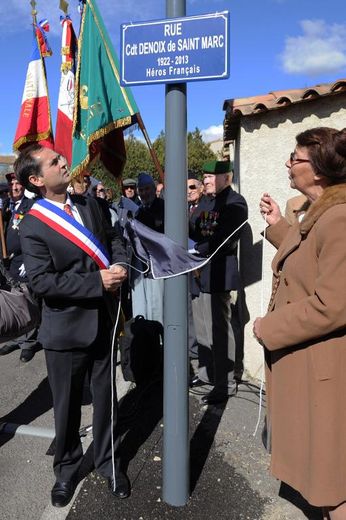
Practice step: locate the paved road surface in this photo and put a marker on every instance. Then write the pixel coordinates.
(229, 476)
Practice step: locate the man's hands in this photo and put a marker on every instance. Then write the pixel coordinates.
(269, 209)
(113, 277)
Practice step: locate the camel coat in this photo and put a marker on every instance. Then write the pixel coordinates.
(295, 208)
(305, 346)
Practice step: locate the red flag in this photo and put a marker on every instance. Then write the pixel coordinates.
(64, 121)
(34, 123)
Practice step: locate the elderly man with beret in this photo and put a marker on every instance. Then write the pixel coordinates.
(218, 215)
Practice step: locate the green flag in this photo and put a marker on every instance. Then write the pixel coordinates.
(103, 109)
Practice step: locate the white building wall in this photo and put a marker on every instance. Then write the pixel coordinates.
(264, 144)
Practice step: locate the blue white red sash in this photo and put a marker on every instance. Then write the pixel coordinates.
(68, 227)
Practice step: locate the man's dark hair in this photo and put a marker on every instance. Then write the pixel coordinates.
(26, 165)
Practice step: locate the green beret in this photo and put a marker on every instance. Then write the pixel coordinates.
(216, 167)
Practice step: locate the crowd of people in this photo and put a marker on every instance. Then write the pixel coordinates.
(302, 334)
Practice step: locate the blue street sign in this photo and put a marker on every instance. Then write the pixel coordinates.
(175, 50)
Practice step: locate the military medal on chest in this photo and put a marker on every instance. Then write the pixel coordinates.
(17, 218)
(208, 222)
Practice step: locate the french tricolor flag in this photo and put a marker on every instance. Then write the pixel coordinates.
(64, 120)
(34, 123)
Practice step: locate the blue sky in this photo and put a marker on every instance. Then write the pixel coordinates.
(274, 45)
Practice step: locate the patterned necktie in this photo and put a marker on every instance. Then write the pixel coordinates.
(68, 210)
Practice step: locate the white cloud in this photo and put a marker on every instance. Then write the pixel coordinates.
(212, 133)
(321, 49)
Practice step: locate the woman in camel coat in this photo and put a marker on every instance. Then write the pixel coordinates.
(304, 332)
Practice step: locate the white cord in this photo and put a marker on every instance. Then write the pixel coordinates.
(112, 387)
(203, 262)
(134, 268)
(262, 313)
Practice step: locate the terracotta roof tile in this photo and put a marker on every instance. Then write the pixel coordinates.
(278, 99)
(7, 159)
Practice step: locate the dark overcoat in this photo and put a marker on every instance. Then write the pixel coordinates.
(210, 224)
(12, 224)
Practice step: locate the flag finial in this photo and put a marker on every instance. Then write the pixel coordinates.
(33, 5)
(64, 6)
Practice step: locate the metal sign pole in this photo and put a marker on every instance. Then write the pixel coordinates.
(176, 410)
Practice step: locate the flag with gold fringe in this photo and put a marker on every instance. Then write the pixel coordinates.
(66, 100)
(103, 109)
(34, 123)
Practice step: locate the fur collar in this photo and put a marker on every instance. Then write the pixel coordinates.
(331, 196)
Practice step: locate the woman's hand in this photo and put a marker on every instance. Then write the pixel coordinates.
(257, 330)
(269, 209)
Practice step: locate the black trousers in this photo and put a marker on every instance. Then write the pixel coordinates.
(67, 370)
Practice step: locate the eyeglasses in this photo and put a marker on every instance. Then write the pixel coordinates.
(100, 191)
(192, 187)
(294, 159)
(129, 187)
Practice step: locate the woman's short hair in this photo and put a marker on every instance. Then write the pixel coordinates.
(327, 152)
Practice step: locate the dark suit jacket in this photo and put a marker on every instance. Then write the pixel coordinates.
(210, 224)
(14, 250)
(67, 279)
(154, 216)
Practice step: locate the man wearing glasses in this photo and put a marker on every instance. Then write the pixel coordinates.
(129, 188)
(194, 195)
(220, 213)
(194, 191)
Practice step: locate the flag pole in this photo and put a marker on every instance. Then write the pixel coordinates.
(150, 146)
(2, 235)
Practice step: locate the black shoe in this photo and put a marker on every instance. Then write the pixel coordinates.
(196, 381)
(219, 396)
(122, 487)
(62, 493)
(7, 349)
(27, 354)
(213, 398)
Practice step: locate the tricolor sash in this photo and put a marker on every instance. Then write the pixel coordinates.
(72, 230)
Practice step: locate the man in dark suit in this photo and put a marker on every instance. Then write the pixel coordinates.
(194, 190)
(152, 209)
(67, 246)
(218, 214)
(13, 211)
(194, 196)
